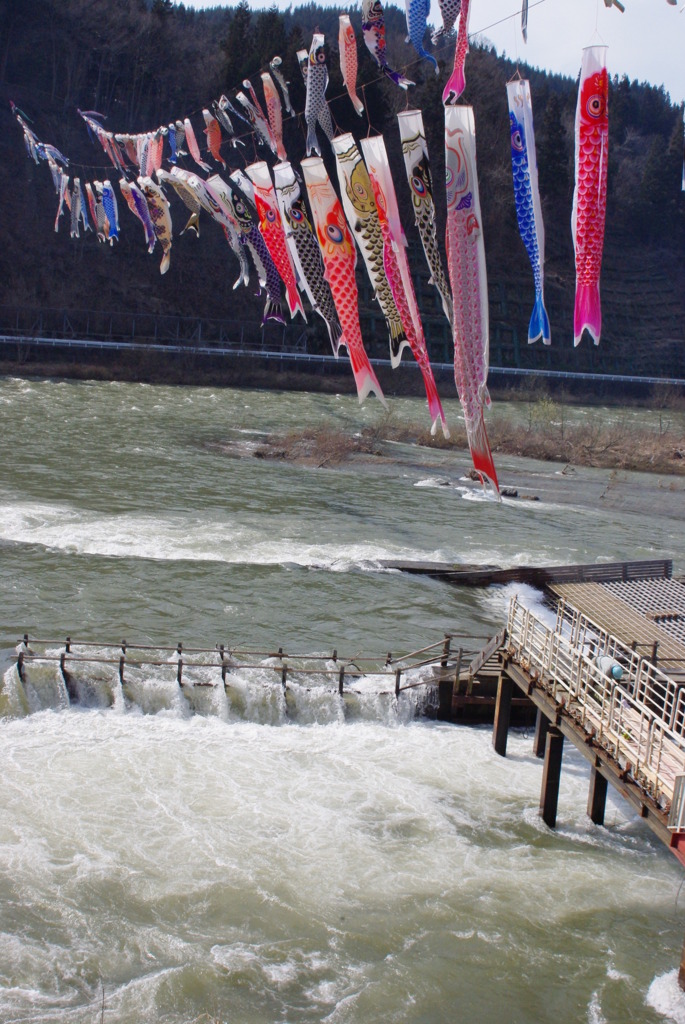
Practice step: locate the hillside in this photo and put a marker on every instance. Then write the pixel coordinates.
(142, 66)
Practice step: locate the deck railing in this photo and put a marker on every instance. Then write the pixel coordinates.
(648, 684)
(629, 725)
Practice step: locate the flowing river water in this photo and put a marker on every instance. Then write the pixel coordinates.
(259, 859)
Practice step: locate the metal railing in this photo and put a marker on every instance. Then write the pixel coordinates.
(649, 685)
(69, 655)
(623, 723)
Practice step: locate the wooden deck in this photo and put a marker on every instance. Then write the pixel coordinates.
(637, 629)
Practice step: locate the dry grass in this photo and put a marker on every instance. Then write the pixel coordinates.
(545, 436)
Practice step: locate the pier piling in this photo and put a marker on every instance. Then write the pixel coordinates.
(551, 775)
(505, 691)
(541, 728)
(597, 796)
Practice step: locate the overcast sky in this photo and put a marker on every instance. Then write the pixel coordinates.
(646, 43)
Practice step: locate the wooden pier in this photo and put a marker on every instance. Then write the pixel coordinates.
(631, 729)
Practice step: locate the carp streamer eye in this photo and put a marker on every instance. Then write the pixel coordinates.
(360, 190)
(595, 105)
(296, 214)
(418, 185)
(270, 216)
(321, 56)
(517, 140)
(334, 233)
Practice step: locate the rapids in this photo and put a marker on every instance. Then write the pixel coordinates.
(262, 856)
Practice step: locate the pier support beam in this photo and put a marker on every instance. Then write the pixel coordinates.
(505, 690)
(597, 797)
(541, 728)
(549, 794)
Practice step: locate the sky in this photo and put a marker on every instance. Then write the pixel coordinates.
(647, 42)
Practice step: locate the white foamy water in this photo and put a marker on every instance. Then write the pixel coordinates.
(258, 855)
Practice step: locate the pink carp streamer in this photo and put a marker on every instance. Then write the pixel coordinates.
(340, 259)
(457, 80)
(590, 194)
(274, 113)
(273, 233)
(347, 44)
(397, 269)
(466, 265)
(193, 146)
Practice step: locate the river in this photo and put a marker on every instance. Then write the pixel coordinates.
(236, 862)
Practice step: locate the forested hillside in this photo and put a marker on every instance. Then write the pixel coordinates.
(143, 65)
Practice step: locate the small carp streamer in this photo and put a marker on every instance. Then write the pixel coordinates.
(373, 30)
(184, 193)
(158, 206)
(362, 217)
(420, 180)
(524, 20)
(222, 194)
(273, 233)
(304, 249)
(137, 204)
(275, 66)
(527, 197)
(236, 194)
(466, 264)
(316, 108)
(397, 269)
(340, 259)
(347, 45)
(213, 133)
(449, 12)
(456, 83)
(417, 12)
(193, 146)
(590, 193)
(274, 113)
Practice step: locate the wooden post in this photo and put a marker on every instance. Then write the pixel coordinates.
(284, 676)
(681, 972)
(500, 729)
(398, 673)
(597, 796)
(68, 682)
(551, 775)
(122, 662)
(446, 651)
(223, 665)
(179, 672)
(541, 727)
(20, 667)
(341, 680)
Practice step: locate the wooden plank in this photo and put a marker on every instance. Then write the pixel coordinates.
(487, 652)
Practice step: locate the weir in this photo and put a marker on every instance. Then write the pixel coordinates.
(620, 699)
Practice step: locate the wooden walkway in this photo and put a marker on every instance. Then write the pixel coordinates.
(635, 628)
(544, 576)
